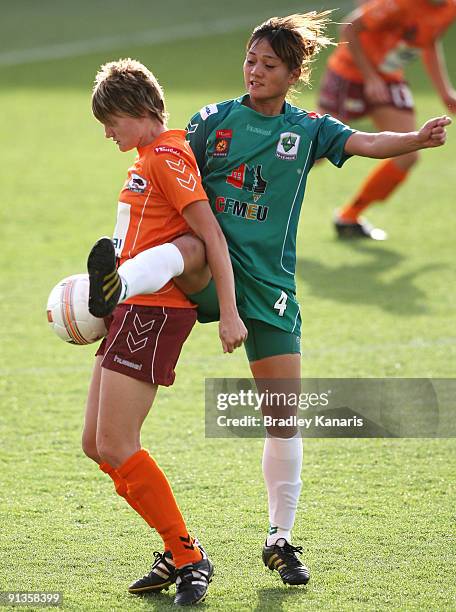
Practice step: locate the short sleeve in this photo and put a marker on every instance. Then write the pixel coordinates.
(196, 139)
(176, 176)
(331, 138)
(381, 14)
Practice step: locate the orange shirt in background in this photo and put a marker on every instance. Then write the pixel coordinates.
(394, 33)
(163, 180)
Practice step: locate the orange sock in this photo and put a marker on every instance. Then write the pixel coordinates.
(380, 183)
(149, 488)
(121, 489)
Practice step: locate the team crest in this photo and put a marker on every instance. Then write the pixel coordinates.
(222, 143)
(288, 145)
(137, 183)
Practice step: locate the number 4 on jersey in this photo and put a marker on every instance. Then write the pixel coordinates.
(281, 304)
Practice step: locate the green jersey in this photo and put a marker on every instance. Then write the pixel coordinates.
(254, 169)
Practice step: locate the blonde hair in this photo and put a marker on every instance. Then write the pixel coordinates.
(296, 39)
(126, 87)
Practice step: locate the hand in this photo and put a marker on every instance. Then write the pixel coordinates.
(433, 133)
(450, 100)
(376, 90)
(232, 332)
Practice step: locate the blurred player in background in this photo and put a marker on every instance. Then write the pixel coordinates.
(365, 77)
(162, 199)
(254, 154)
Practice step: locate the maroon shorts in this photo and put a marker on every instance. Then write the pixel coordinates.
(345, 99)
(145, 342)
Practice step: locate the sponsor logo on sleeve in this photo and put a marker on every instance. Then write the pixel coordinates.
(137, 183)
(222, 143)
(210, 109)
(288, 146)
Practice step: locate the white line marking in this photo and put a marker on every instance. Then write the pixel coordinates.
(148, 37)
(166, 34)
(156, 345)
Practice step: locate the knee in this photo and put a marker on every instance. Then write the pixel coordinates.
(89, 448)
(112, 451)
(108, 453)
(193, 252)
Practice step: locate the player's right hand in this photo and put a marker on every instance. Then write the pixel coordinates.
(232, 332)
(433, 133)
(376, 90)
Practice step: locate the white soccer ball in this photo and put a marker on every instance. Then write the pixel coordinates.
(68, 312)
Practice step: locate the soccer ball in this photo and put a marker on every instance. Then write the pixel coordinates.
(68, 312)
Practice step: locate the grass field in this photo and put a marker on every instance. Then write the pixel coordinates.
(377, 518)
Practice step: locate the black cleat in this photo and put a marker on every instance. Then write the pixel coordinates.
(105, 284)
(192, 581)
(360, 229)
(161, 576)
(284, 560)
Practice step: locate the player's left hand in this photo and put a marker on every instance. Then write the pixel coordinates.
(433, 133)
(232, 332)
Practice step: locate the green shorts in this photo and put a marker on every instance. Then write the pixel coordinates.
(264, 340)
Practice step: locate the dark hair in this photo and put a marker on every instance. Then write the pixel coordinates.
(296, 39)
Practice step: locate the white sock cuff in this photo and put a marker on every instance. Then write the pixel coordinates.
(150, 270)
(284, 448)
(173, 253)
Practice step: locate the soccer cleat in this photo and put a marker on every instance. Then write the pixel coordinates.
(283, 559)
(359, 229)
(161, 575)
(193, 580)
(105, 284)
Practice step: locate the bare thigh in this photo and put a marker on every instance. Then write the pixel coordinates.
(89, 434)
(197, 274)
(124, 404)
(279, 374)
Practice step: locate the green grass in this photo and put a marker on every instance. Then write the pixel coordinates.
(376, 516)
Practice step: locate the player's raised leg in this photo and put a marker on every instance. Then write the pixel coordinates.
(282, 464)
(146, 273)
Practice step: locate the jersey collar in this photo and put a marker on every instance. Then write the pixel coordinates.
(285, 108)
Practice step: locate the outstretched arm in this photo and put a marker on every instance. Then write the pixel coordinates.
(434, 62)
(390, 144)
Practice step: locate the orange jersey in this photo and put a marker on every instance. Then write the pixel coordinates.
(394, 33)
(163, 180)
